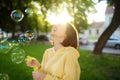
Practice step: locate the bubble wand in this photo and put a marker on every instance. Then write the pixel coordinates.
(30, 59)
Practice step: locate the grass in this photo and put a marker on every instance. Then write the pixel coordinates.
(93, 67)
(99, 67)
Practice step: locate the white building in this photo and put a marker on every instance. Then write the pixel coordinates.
(108, 17)
(97, 28)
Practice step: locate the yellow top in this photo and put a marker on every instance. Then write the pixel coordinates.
(61, 64)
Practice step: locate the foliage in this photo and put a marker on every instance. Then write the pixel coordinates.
(109, 2)
(80, 16)
(37, 20)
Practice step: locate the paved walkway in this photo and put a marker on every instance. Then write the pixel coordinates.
(105, 50)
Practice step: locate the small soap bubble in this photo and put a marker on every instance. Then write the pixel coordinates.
(14, 43)
(4, 76)
(23, 39)
(17, 15)
(5, 47)
(17, 55)
(3, 36)
(29, 11)
(29, 34)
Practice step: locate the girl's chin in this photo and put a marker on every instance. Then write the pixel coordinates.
(51, 42)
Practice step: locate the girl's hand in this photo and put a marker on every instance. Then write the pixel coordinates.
(37, 75)
(32, 62)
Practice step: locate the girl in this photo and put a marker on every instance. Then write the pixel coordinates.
(61, 61)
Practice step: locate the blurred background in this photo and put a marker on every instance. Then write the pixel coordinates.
(90, 19)
(25, 26)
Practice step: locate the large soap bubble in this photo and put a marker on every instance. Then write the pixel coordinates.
(17, 55)
(17, 15)
(4, 76)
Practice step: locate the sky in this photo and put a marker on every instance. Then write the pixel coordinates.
(97, 17)
(100, 15)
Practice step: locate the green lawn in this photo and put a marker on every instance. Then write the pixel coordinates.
(93, 67)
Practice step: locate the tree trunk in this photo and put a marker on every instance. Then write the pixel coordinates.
(13, 32)
(109, 30)
(46, 27)
(12, 29)
(37, 31)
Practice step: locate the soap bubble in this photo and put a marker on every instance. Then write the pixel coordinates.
(14, 43)
(29, 34)
(5, 47)
(17, 55)
(17, 15)
(29, 11)
(26, 37)
(4, 76)
(3, 36)
(23, 39)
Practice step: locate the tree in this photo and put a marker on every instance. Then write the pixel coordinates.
(110, 29)
(8, 25)
(6, 7)
(81, 9)
(77, 8)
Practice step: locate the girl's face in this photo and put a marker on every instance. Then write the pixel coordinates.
(58, 33)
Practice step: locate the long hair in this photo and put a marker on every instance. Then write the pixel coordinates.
(71, 38)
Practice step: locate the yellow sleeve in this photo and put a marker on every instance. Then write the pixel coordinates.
(71, 69)
(44, 60)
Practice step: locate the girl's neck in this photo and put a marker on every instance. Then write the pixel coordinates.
(57, 46)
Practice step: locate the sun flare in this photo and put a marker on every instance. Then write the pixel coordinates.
(62, 17)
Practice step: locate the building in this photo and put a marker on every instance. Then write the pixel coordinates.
(108, 17)
(97, 28)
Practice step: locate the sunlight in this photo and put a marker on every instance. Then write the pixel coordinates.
(36, 4)
(62, 17)
(36, 9)
(100, 15)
